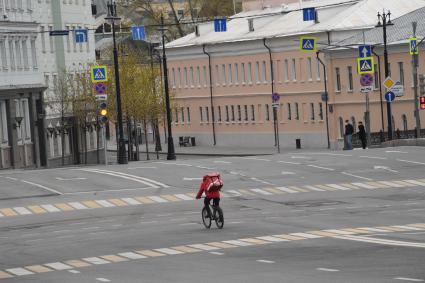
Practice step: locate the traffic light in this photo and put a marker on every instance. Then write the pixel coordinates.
(422, 102)
(422, 84)
(103, 112)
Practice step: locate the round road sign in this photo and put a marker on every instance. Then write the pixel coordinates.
(366, 80)
(100, 88)
(390, 96)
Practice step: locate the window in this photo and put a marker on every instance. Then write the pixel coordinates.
(207, 114)
(321, 110)
(198, 76)
(182, 112)
(337, 80)
(68, 40)
(11, 55)
(250, 73)
(239, 113)
(230, 74)
(236, 73)
(252, 113)
(233, 112)
(257, 72)
(205, 76)
(286, 70)
(52, 46)
(173, 71)
(294, 70)
(312, 111)
(243, 73)
(404, 122)
(297, 113)
(179, 75)
(25, 53)
(318, 69)
(188, 114)
(3, 123)
(219, 113)
(376, 77)
(176, 112)
(43, 39)
(341, 127)
(246, 112)
(217, 80)
(289, 112)
(25, 124)
(277, 71)
(192, 77)
(186, 83)
(18, 54)
(267, 112)
(3, 54)
(401, 73)
(264, 72)
(227, 113)
(201, 115)
(223, 70)
(350, 78)
(309, 69)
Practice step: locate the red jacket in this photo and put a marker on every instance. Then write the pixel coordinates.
(211, 186)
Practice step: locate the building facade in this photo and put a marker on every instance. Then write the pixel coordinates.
(236, 107)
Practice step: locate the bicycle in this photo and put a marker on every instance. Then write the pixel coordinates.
(216, 215)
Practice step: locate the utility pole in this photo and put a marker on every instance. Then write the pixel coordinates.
(386, 21)
(326, 98)
(415, 65)
(171, 155)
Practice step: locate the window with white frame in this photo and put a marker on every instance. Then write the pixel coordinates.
(207, 114)
(223, 74)
(309, 69)
(297, 112)
(239, 113)
(25, 124)
(12, 54)
(73, 40)
(230, 74)
(217, 78)
(243, 73)
(267, 112)
(337, 80)
(179, 75)
(18, 53)
(250, 72)
(198, 76)
(264, 72)
(227, 113)
(68, 39)
(246, 112)
(43, 38)
(3, 53)
(401, 73)
(233, 112)
(182, 113)
(286, 70)
(312, 117)
(318, 74)
(201, 116)
(192, 77)
(52, 45)
(294, 70)
(176, 113)
(219, 113)
(252, 112)
(186, 83)
(289, 112)
(236, 73)
(350, 78)
(3, 123)
(257, 72)
(205, 76)
(321, 110)
(173, 71)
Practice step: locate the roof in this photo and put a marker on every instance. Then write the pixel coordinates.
(287, 20)
(399, 32)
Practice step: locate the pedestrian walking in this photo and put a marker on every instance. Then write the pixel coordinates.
(349, 131)
(362, 135)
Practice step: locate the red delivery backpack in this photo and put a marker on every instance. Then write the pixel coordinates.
(213, 182)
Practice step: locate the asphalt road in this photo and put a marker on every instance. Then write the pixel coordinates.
(304, 216)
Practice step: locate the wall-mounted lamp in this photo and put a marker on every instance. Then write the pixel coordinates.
(50, 129)
(18, 121)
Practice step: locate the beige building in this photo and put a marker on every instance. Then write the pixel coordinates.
(236, 108)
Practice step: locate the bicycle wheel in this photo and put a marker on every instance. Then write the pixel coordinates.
(205, 218)
(219, 217)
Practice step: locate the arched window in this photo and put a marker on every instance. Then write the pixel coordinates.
(404, 122)
(341, 127)
(353, 122)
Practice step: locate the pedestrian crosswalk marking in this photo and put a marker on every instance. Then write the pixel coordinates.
(36, 209)
(19, 271)
(366, 66)
(308, 45)
(254, 241)
(132, 255)
(113, 258)
(77, 263)
(4, 275)
(91, 204)
(186, 249)
(150, 253)
(290, 237)
(77, 205)
(38, 269)
(169, 251)
(8, 212)
(221, 245)
(131, 201)
(64, 207)
(96, 260)
(58, 266)
(117, 202)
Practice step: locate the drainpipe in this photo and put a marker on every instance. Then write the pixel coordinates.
(326, 96)
(276, 124)
(211, 93)
(380, 92)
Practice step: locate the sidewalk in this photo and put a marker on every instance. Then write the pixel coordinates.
(205, 150)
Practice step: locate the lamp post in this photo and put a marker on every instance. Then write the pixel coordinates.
(112, 18)
(385, 17)
(171, 155)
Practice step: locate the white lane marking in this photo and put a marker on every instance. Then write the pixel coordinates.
(409, 279)
(287, 173)
(50, 208)
(408, 228)
(381, 241)
(374, 157)
(96, 260)
(58, 266)
(222, 161)
(157, 199)
(188, 224)
(338, 187)
(395, 151)
(74, 271)
(265, 261)
(320, 167)
(377, 167)
(191, 179)
(183, 197)
(22, 210)
(131, 255)
(288, 162)
(260, 191)
(391, 184)
(299, 157)
(203, 247)
(287, 190)
(327, 269)
(306, 235)
(340, 232)
(415, 182)
(236, 222)
(408, 161)
(261, 181)
(168, 251)
(313, 188)
(360, 177)
(19, 271)
(77, 205)
(131, 201)
(11, 178)
(238, 243)
(70, 179)
(191, 212)
(105, 203)
(134, 168)
(365, 186)
(103, 280)
(271, 239)
(234, 193)
(255, 158)
(208, 168)
(183, 164)
(216, 253)
(42, 187)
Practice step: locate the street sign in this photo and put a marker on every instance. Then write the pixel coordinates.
(365, 65)
(365, 51)
(275, 97)
(138, 32)
(220, 25)
(308, 44)
(366, 80)
(100, 88)
(309, 14)
(366, 89)
(398, 89)
(275, 105)
(81, 35)
(389, 83)
(324, 97)
(389, 96)
(413, 46)
(58, 32)
(101, 97)
(99, 74)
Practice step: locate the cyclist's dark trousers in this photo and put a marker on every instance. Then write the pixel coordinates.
(216, 202)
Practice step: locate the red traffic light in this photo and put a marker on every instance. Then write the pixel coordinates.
(422, 102)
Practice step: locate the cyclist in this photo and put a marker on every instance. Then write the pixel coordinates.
(211, 186)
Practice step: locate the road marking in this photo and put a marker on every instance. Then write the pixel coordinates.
(287, 190)
(19, 271)
(415, 182)
(169, 251)
(74, 271)
(408, 161)
(320, 167)
(22, 210)
(96, 260)
(77, 205)
(376, 167)
(391, 184)
(38, 268)
(186, 249)
(222, 161)
(11, 178)
(255, 158)
(271, 239)
(36, 209)
(265, 261)
(58, 266)
(360, 177)
(103, 280)
(381, 241)
(363, 185)
(395, 151)
(132, 255)
(192, 179)
(50, 208)
(157, 199)
(183, 197)
(338, 187)
(150, 253)
(216, 253)
(42, 187)
(114, 258)
(208, 168)
(409, 279)
(77, 263)
(327, 269)
(203, 247)
(131, 201)
(374, 157)
(314, 188)
(70, 179)
(262, 192)
(134, 168)
(288, 162)
(287, 173)
(4, 275)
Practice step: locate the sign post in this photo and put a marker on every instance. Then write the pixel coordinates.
(275, 106)
(308, 44)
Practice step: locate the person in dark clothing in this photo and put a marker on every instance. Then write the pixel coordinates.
(349, 131)
(362, 135)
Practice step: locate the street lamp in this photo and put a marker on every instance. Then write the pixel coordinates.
(385, 17)
(113, 19)
(171, 155)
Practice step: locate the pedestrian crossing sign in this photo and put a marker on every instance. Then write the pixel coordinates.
(413, 50)
(98, 74)
(308, 44)
(365, 65)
